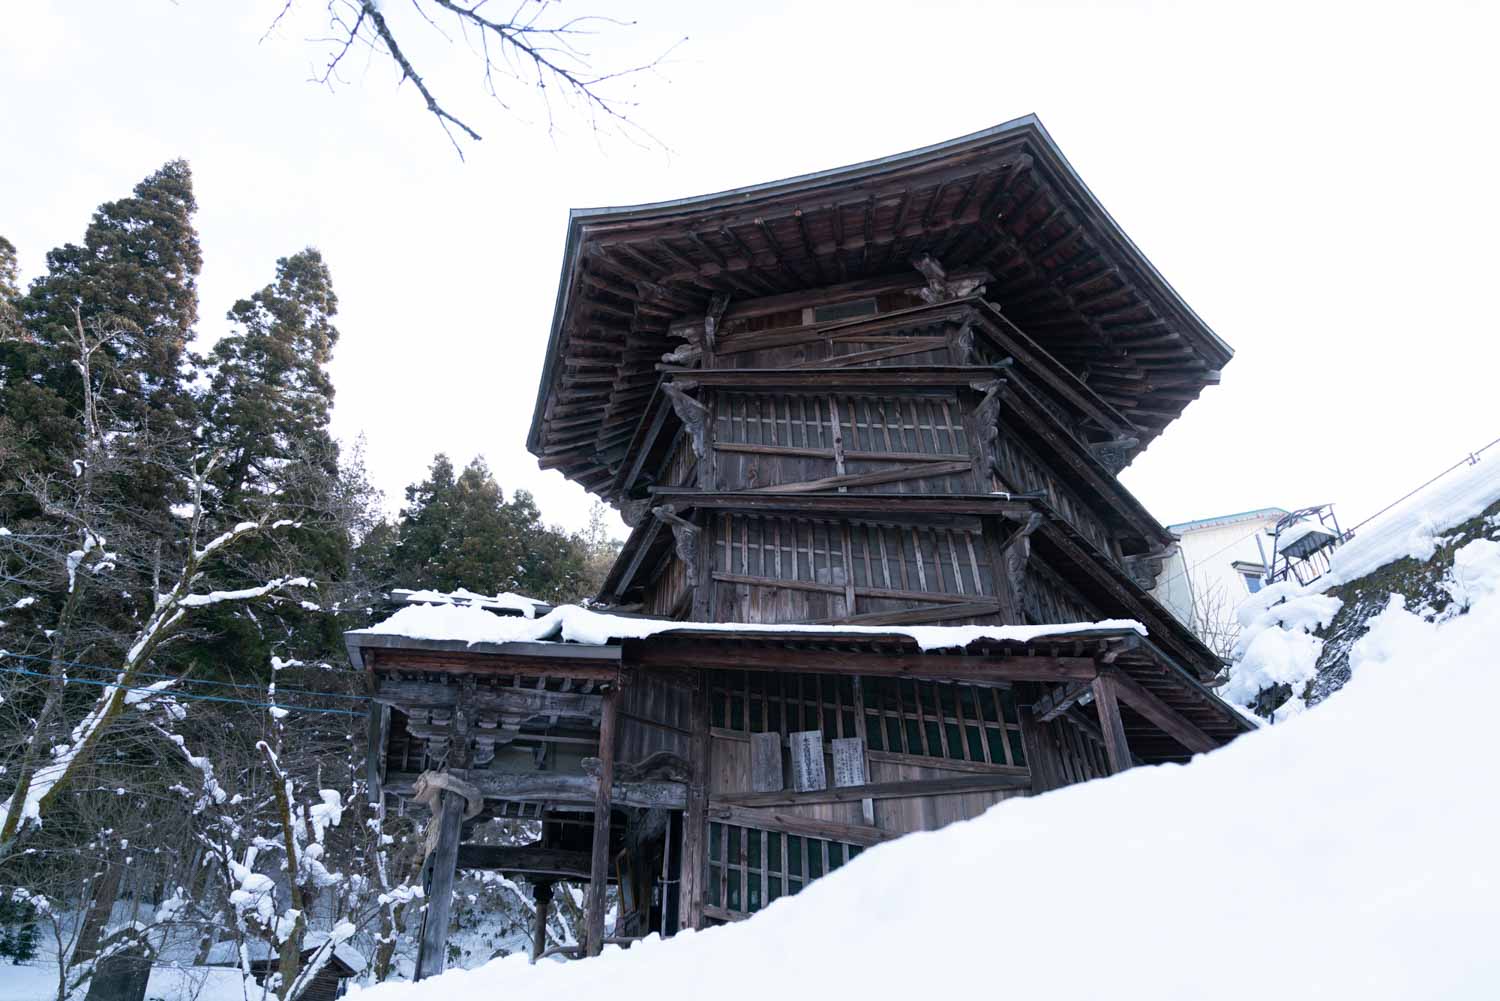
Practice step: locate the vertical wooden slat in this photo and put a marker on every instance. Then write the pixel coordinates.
(916, 545)
(1000, 722)
(861, 730)
(849, 606)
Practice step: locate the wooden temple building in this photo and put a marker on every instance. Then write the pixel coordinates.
(838, 409)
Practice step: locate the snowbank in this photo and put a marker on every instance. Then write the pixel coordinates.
(1326, 857)
(1281, 626)
(1414, 527)
(573, 624)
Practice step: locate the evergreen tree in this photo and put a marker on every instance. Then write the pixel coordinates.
(267, 410)
(270, 395)
(135, 275)
(459, 531)
(17, 928)
(10, 291)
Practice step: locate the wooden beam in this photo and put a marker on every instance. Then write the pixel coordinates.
(912, 472)
(552, 787)
(914, 616)
(1014, 506)
(850, 454)
(523, 702)
(943, 667)
(479, 662)
(1058, 700)
(525, 860)
(911, 789)
(1113, 730)
(894, 377)
(796, 823)
(1169, 720)
(593, 909)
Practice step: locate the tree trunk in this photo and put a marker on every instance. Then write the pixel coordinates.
(105, 893)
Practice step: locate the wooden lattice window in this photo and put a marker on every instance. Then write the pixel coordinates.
(902, 716)
(962, 722)
(780, 549)
(918, 425)
(748, 868)
(920, 558)
(764, 702)
(888, 561)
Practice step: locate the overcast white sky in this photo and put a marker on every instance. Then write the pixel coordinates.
(1317, 180)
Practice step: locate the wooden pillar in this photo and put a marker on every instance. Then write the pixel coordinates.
(593, 910)
(541, 895)
(695, 818)
(1111, 725)
(433, 948)
(376, 732)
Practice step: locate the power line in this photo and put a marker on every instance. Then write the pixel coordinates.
(192, 681)
(1469, 460)
(183, 695)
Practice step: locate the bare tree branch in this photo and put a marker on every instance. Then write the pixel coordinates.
(527, 49)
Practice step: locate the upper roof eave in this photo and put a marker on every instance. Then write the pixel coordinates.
(1028, 126)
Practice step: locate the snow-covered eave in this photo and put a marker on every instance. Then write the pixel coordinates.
(577, 634)
(356, 640)
(571, 639)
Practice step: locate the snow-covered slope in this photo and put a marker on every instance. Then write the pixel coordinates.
(1347, 853)
(1432, 551)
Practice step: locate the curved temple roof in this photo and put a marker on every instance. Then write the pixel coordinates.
(1004, 201)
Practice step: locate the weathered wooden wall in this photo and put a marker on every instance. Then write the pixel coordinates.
(910, 443)
(769, 568)
(655, 715)
(910, 730)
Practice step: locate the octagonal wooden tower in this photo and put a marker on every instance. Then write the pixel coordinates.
(887, 396)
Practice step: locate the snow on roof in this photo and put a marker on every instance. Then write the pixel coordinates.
(227, 953)
(1413, 527)
(573, 624)
(1296, 533)
(1259, 514)
(1369, 873)
(506, 601)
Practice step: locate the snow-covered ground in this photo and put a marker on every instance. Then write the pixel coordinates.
(1346, 853)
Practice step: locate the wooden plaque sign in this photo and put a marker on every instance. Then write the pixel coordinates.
(808, 773)
(849, 762)
(765, 762)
